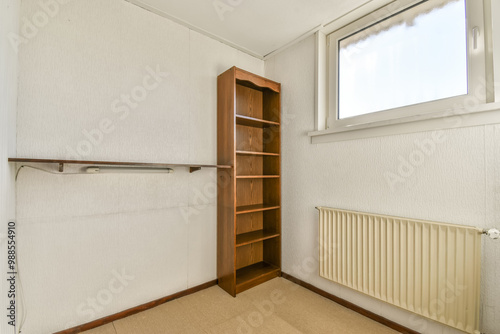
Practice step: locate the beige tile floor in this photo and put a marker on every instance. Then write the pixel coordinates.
(277, 306)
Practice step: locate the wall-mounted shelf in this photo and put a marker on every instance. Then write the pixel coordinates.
(61, 163)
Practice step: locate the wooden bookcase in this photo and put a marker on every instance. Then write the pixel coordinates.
(249, 194)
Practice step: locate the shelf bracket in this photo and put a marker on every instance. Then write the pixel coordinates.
(61, 167)
(193, 169)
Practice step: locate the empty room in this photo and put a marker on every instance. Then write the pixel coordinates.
(249, 166)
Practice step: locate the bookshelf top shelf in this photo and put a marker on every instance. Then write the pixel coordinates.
(255, 81)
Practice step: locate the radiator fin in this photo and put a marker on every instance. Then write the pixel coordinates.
(429, 268)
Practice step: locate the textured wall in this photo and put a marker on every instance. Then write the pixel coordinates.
(458, 181)
(9, 16)
(495, 18)
(96, 245)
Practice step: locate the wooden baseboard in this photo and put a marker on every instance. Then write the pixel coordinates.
(134, 310)
(351, 306)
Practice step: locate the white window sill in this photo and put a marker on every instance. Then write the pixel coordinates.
(450, 119)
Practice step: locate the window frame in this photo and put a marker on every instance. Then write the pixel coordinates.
(477, 82)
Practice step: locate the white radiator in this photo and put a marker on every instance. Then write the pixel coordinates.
(431, 269)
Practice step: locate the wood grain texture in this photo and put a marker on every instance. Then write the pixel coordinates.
(351, 306)
(225, 118)
(254, 275)
(249, 192)
(257, 153)
(256, 81)
(255, 236)
(257, 165)
(272, 112)
(255, 122)
(255, 208)
(249, 254)
(271, 106)
(272, 165)
(272, 220)
(249, 139)
(134, 310)
(278, 245)
(249, 102)
(249, 165)
(226, 186)
(272, 191)
(272, 251)
(249, 222)
(257, 176)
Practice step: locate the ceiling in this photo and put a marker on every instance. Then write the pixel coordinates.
(258, 27)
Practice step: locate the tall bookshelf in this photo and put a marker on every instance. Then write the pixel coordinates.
(249, 194)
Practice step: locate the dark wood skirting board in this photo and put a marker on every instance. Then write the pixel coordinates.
(134, 310)
(351, 306)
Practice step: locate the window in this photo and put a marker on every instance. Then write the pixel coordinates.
(403, 63)
(416, 56)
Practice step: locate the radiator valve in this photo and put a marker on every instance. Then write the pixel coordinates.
(492, 233)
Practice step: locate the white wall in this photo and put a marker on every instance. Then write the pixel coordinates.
(77, 231)
(458, 183)
(9, 15)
